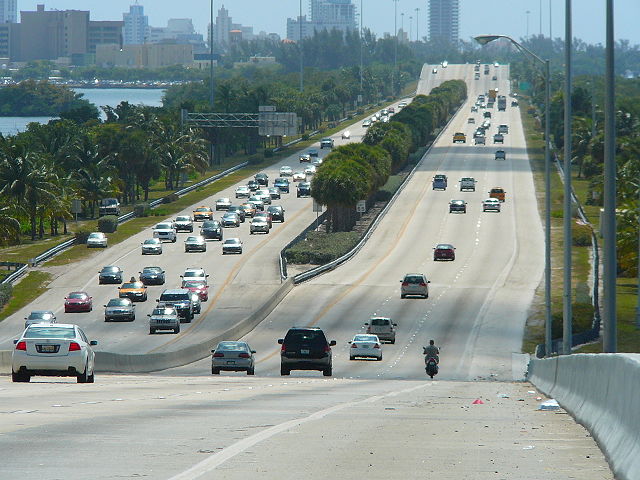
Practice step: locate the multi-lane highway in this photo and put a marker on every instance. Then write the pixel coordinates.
(376, 419)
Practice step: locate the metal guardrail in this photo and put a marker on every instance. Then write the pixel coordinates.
(594, 332)
(309, 274)
(20, 269)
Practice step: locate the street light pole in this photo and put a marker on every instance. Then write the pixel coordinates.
(361, 54)
(395, 52)
(301, 51)
(610, 337)
(410, 27)
(567, 219)
(483, 40)
(212, 89)
(417, 25)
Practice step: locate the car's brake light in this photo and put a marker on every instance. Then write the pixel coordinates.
(21, 346)
(353, 345)
(422, 284)
(327, 348)
(218, 355)
(283, 349)
(74, 347)
(405, 284)
(244, 355)
(376, 345)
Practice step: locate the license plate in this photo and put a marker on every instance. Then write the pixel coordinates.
(48, 348)
(365, 346)
(231, 362)
(304, 351)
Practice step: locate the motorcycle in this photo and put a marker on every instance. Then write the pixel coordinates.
(431, 366)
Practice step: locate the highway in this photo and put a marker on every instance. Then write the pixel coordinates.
(379, 419)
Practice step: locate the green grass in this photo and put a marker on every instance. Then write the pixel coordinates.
(582, 310)
(30, 288)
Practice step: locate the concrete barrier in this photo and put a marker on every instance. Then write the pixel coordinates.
(601, 392)
(151, 362)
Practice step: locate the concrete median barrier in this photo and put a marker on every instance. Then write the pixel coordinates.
(600, 392)
(152, 362)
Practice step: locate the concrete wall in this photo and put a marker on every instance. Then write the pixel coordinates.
(601, 392)
(143, 363)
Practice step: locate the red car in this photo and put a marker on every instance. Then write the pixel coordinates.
(444, 251)
(78, 302)
(197, 286)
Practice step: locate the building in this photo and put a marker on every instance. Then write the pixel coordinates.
(325, 15)
(67, 36)
(144, 56)
(444, 21)
(8, 11)
(136, 26)
(223, 28)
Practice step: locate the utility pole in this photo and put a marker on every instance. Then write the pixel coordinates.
(212, 89)
(417, 25)
(301, 51)
(361, 54)
(395, 53)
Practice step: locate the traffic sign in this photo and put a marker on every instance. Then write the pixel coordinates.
(361, 206)
(317, 207)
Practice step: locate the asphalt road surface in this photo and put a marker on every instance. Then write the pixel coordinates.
(373, 419)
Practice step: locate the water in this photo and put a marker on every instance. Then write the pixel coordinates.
(99, 97)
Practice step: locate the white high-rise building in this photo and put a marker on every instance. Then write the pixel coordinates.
(8, 11)
(444, 20)
(136, 26)
(325, 15)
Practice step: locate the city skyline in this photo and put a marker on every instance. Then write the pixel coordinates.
(588, 25)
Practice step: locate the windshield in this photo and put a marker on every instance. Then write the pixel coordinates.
(152, 270)
(202, 209)
(152, 241)
(168, 297)
(183, 219)
(110, 269)
(133, 285)
(78, 295)
(380, 322)
(119, 302)
(163, 226)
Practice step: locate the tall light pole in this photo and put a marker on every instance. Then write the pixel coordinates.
(402, 24)
(410, 27)
(567, 219)
(212, 89)
(540, 17)
(417, 25)
(301, 51)
(609, 341)
(527, 12)
(361, 54)
(483, 40)
(395, 51)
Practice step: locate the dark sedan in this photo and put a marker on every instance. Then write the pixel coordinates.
(444, 251)
(110, 274)
(152, 276)
(457, 206)
(211, 229)
(304, 189)
(277, 213)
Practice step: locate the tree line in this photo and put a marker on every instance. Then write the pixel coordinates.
(356, 171)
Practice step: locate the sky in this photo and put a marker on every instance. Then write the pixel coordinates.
(507, 17)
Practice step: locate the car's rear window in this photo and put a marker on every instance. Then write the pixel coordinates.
(365, 338)
(232, 347)
(49, 332)
(167, 297)
(413, 279)
(77, 295)
(314, 338)
(380, 322)
(119, 302)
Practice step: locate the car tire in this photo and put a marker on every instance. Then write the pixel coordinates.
(351, 358)
(379, 359)
(403, 296)
(215, 371)
(177, 329)
(251, 371)
(284, 371)
(83, 377)
(19, 377)
(152, 331)
(91, 378)
(174, 240)
(132, 319)
(327, 372)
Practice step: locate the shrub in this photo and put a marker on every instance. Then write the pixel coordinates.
(108, 224)
(389, 189)
(268, 152)
(255, 159)
(6, 290)
(319, 248)
(159, 212)
(141, 209)
(172, 197)
(305, 137)
(581, 235)
(416, 156)
(82, 235)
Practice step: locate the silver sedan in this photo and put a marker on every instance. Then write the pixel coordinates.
(233, 356)
(152, 246)
(195, 243)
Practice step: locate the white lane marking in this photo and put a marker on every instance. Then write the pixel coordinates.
(218, 458)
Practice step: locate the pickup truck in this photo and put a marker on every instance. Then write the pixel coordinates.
(459, 137)
(467, 183)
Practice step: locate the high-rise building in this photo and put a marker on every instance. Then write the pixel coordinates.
(444, 20)
(325, 15)
(8, 11)
(224, 26)
(136, 26)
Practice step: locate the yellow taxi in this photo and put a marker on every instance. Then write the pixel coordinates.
(134, 290)
(202, 213)
(459, 137)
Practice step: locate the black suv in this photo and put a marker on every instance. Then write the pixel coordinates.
(262, 179)
(305, 348)
(304, 189)
(277, 213)
(211, 229)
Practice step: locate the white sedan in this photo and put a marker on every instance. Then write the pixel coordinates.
(53, 350)
(346, 135)
(286, 171)
(299, 177)
(365, 346)
(491, 204)
(97, 239)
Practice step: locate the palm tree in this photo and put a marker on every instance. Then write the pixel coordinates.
(9, 228)
(179, 152)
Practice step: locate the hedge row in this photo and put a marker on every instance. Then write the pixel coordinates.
(5, 293)
(320, 248)
(389, 189)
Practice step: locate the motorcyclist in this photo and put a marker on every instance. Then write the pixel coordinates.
(431, 351)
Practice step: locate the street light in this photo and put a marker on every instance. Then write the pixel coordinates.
(212, 90)
(395, 52)
(361, 53)
(483, 40)
(417, 25)
(300, 48)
